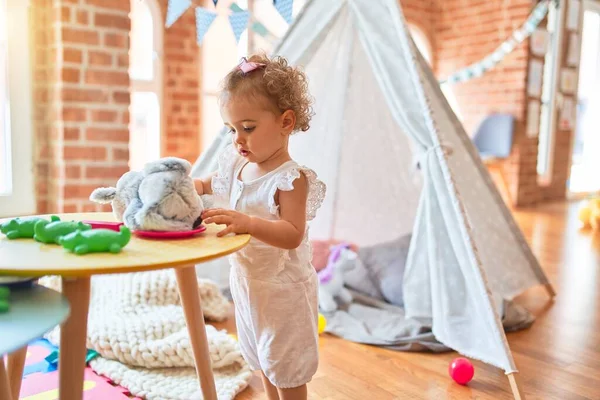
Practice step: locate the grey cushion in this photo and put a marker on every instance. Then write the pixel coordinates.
(385, 265)
(359, 279)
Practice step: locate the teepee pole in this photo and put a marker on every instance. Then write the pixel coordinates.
(513, 379)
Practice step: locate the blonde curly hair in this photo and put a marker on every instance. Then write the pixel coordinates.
(284, 87)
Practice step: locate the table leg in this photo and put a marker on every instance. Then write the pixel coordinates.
(71, 362)
(4, 385)
(192, 309)
(16, 363)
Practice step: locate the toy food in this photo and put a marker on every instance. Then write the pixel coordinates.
(96, 240)
(50, 232)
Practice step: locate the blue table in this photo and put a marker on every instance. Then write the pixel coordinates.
(33, 311)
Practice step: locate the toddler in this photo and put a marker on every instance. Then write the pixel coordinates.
(273, 284)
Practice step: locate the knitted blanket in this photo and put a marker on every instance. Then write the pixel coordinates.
(136, 324)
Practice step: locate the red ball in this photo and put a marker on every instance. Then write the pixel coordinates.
(461, 370)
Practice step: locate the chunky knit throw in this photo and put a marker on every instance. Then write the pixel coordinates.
(136, 324)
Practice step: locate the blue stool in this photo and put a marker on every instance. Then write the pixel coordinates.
(34, 310)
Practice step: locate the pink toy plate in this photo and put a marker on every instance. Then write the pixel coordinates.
(170, 235)
(104, 225)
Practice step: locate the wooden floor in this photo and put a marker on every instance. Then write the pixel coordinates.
(559, 356)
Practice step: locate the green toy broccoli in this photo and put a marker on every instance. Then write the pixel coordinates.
(50, 232)
(18, 228)
(96, 240)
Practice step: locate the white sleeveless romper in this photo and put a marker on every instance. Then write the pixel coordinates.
(275, 291)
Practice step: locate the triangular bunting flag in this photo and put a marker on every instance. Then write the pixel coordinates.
(239, 22)
(175, 9)
(204, 19)
(215, 2)
(235, 8)
(284, 8)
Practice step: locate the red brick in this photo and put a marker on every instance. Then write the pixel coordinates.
(78, 191)
(70, 75)
(100, 58)
(71, 133)
(103, 115)
(84, 95)
(65, 13)
(97, 77)
(121, 97)
(74, 114)
(120, 40)
(172, 148)
(41, 207)
(84, 153)
(72, 55)
(42, 188)
(82, 17)
(110, 4)
(112, 21)
(70, 208)
(120, 155)
(73, 172)
(105, 172)
(185, 96)
(80, 36)
(108, 135)
(123, 60)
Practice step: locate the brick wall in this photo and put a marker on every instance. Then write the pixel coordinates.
(82, 97)
(467, 31)
(422, 14)
(182, 91)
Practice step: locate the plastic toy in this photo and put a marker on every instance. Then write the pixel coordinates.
(461, 370)
(589, 214)
(50, 232)
(322, 323)
(4, 295)
(331, 278)
(18, 228)
(96, 240)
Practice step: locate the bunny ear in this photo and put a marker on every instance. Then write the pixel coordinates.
(103, 195)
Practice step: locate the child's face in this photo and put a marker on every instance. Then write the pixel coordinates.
(257, 134)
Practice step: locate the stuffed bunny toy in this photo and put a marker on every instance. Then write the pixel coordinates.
(331, 278)
(161, 197)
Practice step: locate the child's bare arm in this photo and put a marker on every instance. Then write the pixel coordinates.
(203, 185)
(286, 233)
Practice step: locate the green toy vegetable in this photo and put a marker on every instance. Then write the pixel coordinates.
(4, 295)
(50, 232)
(18, 228)
(96, 240)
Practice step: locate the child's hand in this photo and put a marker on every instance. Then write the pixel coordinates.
(236, 222)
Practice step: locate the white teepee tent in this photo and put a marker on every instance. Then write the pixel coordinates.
(378, 110)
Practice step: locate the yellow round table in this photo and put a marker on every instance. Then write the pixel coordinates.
(26, 257)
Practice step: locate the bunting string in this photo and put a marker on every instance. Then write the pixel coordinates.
(479, 68)
(239, 19)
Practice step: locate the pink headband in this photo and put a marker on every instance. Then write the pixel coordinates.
(246, 66)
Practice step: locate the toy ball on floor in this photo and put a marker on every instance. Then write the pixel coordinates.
(322, 323)
(589, 214)
(461, 370)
